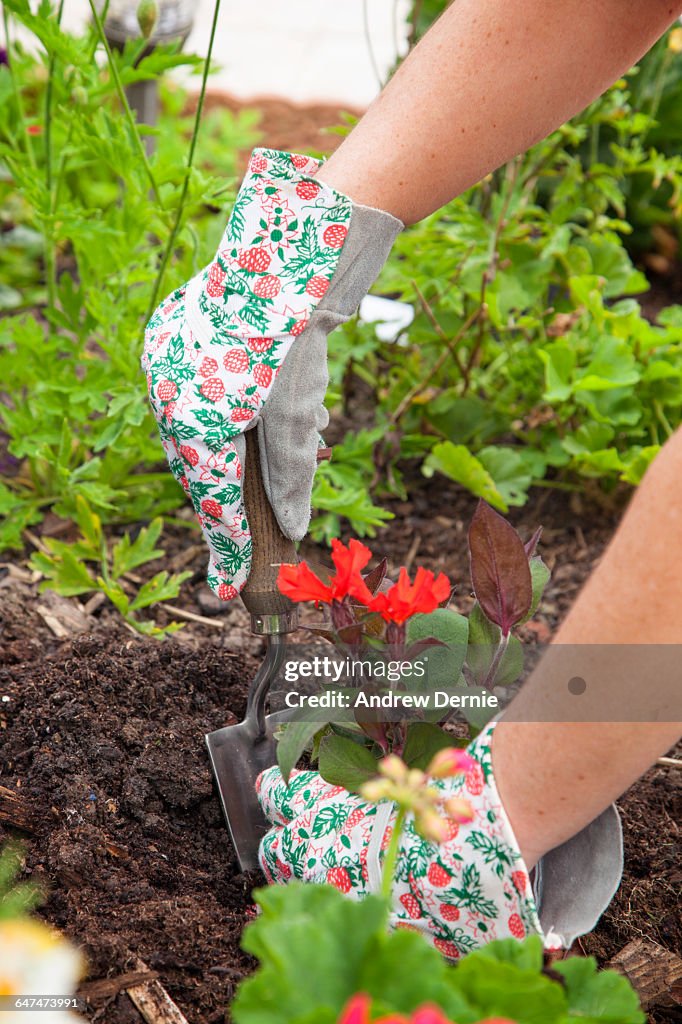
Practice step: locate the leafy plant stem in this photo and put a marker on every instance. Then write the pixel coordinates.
(17, 91)
(406, 402)
(663, 419)
(437, 327)
(391, 858)
(511, 175)
(489, 680)
(190, 160)
(50, 255)
(660, 81)
(135, 134)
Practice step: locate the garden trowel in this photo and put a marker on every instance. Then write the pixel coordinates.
(239, 753)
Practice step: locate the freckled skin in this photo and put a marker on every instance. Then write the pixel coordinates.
(535, 72)
(633, 597)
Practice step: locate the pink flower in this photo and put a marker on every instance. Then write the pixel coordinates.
(357, 1011)
(448, 762)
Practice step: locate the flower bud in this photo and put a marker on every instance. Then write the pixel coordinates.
(392, 767)
(448, 762)
(376, 790)
(415, 778)
(459, 809)
(79, 95)
(147, 15)
(431, 825)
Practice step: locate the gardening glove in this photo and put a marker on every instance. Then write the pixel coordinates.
(461, 894)
(243, 346)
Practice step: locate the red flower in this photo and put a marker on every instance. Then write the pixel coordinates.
(34, 129)
(348, 562)
(357, 1011)
(405, 599)
(300, 583)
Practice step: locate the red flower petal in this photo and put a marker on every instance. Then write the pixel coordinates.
(356, 1010)
(348, 562)
(429, 1014)
(405, 599)
(300, 583)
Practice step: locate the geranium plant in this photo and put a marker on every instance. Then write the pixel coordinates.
(409, 643)
(326, 959)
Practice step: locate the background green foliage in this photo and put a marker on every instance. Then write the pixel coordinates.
(84, 229)
(529, 360)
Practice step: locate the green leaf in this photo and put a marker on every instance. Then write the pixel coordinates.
(559, 361)
(460, 420)
(66, 573)
(499, 985)
(444, 662)
(456, 462)
(599, 995)
(294, 739)
(301, 939)
(423, 741)
(484, 640)
(345, 763)
(161, 587)
(540, 577)
(128, 555)
(429, 980)
(510, 470)
(90, 525)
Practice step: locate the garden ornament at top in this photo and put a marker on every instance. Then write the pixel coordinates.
(243, 345)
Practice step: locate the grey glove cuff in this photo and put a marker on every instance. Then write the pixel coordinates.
(293, 416)
(575, 882)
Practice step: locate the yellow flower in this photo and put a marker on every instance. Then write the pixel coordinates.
(675, 40)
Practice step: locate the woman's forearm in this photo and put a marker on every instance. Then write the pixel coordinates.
(489, 79)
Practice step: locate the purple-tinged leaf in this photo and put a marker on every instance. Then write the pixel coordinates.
(499, 568)
(375, 577)
(531, 544)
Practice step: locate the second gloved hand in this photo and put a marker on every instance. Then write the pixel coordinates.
(461, 893)
(470, 889)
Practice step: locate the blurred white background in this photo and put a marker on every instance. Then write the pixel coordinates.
(302, 50)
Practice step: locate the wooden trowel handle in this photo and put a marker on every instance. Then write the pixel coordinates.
(271, 612)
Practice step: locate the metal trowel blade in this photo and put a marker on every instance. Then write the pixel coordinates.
(238, 756)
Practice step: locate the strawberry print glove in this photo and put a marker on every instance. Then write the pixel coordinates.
(461, 894)
(243, 346)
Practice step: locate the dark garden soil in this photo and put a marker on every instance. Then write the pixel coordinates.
(102, 744)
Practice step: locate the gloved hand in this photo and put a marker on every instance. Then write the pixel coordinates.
(463, 893)
(243, 345)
